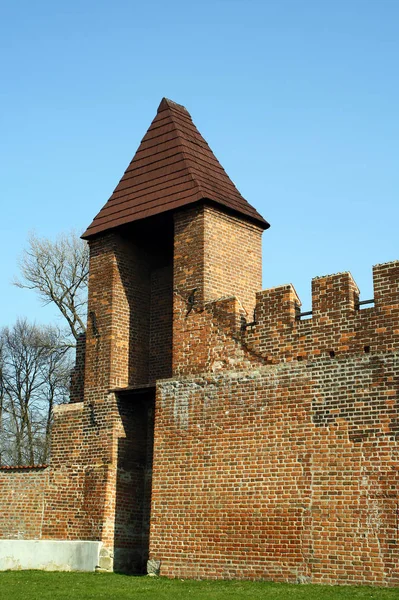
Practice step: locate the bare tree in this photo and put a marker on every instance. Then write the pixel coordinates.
(2, 432)
(58, 271)
(34, 376)
(35, 362)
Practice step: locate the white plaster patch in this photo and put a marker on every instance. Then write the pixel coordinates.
(49, 555)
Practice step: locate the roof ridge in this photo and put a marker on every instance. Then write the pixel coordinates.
(182, 145)
(167, 103)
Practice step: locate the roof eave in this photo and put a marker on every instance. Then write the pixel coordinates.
(256, 220)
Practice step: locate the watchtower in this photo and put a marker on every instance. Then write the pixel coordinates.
(174, 228)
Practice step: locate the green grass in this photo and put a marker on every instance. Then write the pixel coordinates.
(38, 585)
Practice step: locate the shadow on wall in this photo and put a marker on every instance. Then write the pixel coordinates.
(145, 266)
(133, 485)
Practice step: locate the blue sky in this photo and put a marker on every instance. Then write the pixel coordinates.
(299, 100)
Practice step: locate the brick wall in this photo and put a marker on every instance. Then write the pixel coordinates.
(209, 338)
(337, 326)
(275, 443)
(218, 254)
(161, 322)
(117, 354)
(133, 481)
(279, 458)
(78, 372)
(128, 343)
(64, 516)
(21, 502)
(119, 296)
(287, 472)
(233, 258)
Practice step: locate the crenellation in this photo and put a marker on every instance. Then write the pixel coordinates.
(336, 326)
(386, 285)
(277, 307)
(333, 296)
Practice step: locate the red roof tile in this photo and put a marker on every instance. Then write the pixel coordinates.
(173, 167)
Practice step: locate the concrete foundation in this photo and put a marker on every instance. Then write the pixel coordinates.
(49, 555)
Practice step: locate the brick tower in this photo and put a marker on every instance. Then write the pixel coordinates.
(175, 234)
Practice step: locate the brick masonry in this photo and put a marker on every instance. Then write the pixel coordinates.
(21, 502)
(271, 479)
(278, 458)
(218, 254)
(215, 440)
(274, 454)
(63, 507)
(78, 372)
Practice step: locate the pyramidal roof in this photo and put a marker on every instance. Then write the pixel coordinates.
(173, 167)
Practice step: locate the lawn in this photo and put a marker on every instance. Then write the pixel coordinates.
(38, 585)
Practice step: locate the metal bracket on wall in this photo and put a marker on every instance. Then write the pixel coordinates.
(252, 323)
(191, 301)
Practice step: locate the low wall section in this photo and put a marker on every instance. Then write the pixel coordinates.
(21, 501)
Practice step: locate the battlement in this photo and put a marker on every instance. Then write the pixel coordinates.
(336, 323)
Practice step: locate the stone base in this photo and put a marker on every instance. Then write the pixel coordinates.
(105, 561)
(153, 567)
(49, 555)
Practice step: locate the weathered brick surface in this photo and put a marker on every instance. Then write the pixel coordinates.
(161, 323)
(209, 338)
(336, 327)
(133, 482)
(78, 372)
(275, 438)
(100, 481)
(218, 254)
(21, 502)
(63, 512)
(285, 472)
(118, 323)
(286, 467)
